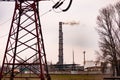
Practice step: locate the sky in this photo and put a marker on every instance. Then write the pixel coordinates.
(77, 38)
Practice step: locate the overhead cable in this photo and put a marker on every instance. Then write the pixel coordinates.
(59, 3)
(70, 3)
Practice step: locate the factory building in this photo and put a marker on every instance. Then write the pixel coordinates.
(60, 66)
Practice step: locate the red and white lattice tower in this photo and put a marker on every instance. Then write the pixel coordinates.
(24, 55)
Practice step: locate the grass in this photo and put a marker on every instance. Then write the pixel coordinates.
(76, 77)
(68, 77)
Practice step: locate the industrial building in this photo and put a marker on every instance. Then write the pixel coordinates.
(60, 66)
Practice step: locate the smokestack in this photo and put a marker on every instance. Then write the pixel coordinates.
(60, 56)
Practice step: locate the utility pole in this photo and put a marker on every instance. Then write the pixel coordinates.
(84, 61)
(73, 67)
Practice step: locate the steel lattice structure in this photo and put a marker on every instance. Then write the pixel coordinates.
(25, 51)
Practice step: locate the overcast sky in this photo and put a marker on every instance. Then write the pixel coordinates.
(82, 37)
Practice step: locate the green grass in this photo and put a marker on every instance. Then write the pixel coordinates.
(76, 77)
(68, 77)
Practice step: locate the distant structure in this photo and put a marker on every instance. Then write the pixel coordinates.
(84, 61)
(73, 62)
(60, 60)
(60, 66)
(93, 66)
(60, 56)
(73, 58)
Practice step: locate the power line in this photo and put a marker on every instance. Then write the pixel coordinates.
(46, 12)
(59, 3)
(5, 21)
(4, 35)
(55, 6)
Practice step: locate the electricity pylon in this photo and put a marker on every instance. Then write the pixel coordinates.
(25, 34)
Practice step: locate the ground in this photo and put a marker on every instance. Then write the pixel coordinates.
(70, 77)
(77, 77)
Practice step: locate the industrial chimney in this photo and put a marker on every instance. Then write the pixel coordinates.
(60, 56)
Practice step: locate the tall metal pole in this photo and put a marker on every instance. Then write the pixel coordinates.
(73, 67)
(84, 61)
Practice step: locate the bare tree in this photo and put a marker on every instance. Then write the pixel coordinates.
(108, 22)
